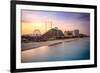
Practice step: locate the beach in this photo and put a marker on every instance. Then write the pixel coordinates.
(33, 45)
(70, 49)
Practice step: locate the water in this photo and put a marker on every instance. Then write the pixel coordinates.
(74, 50)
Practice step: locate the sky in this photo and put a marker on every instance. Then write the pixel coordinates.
(65, 21)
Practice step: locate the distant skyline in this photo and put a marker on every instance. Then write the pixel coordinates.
(65, 21)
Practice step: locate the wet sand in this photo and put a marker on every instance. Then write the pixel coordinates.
(33, 45)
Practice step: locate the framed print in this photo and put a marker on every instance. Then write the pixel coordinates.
(52, 36)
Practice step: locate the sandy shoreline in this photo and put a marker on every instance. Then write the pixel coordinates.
(33, 45)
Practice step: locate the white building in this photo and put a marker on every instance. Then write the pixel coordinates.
(76, 33)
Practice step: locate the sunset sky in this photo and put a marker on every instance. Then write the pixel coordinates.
(32, 19)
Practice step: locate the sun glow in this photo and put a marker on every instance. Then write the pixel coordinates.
(43, 21)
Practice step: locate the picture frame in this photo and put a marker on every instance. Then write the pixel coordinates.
(20, 12)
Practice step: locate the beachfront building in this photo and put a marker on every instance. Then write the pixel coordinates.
(52, 34)
(76, 33)
(68, 33)
(65, 33)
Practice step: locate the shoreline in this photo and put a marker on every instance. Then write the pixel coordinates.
(28, 46)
